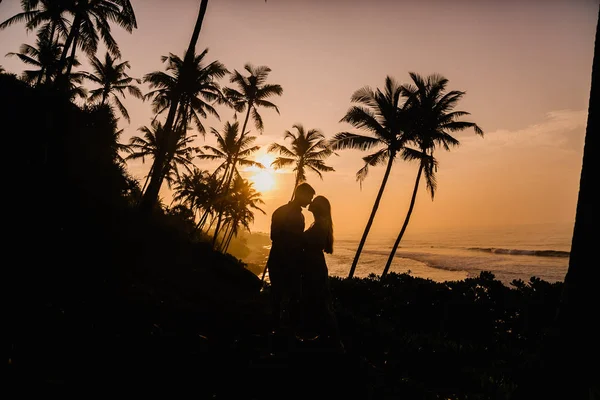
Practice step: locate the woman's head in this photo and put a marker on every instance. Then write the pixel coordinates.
(321, 209)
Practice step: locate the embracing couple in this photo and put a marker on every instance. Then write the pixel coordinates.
(301, 300)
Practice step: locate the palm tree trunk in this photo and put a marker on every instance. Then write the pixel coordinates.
(39, 79)
(229, 240)
(297, 180)
(73, 33)
(51, 40)
(235, 157)
(404, 225)
(372, 217)
(212, 221)
(71, 59)
(202, 221)
(151, 195)
(575, 345)
(147, 178)
(226, 228)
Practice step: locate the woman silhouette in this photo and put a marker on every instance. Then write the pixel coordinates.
(319, 317)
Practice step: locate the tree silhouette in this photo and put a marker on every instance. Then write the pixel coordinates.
(429, 121)
(47, 13)
(149, 146)
(378, 113)
(45, 55)
(251, 93)
(112, 79)
(200, 88)
(151, 195)
(229, 144)
(91, 21)
(308, 150)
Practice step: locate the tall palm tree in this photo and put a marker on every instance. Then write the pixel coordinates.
(199, 88)
(309, 149)
(252, 92)
(91, 21)
(112, 79)
(151, 195)
(149, 145)
(431, 120)
(378, 113)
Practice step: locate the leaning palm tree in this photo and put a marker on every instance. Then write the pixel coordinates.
(252, 92)
(309, 149)
(431, 120)
(194, 87)
(151, 195)
(113, 80)
(149, 145)
(378, 113)
(91, 21)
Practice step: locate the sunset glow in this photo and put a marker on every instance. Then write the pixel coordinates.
(263, 179)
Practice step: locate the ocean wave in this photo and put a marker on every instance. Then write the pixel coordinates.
(519, 252)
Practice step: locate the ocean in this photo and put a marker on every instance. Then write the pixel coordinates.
(518, 252)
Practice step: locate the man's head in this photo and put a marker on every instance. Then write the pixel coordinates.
(303, 194)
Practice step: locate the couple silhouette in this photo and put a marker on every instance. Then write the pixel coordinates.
(300, 295)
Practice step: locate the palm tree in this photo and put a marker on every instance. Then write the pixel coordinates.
(149, 145)
(309, 149)
(379, 114)
(200, 88)
(151, 195)
(91, 17)
(45, 55)
(252, 93)
(112, 79)
(431, 120)
(197, 190)
(239, 208)
(228, 145)
(48, 13)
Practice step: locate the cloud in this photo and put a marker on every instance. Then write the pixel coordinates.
(562, 129)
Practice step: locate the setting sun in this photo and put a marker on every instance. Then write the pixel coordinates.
(263, 179)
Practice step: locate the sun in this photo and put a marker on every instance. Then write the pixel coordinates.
(263, 179)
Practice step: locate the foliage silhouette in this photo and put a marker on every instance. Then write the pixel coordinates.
(309, 149)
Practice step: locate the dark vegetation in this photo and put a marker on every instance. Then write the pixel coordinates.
(102, 297)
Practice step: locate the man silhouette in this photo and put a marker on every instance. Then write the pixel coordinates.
(287, 226)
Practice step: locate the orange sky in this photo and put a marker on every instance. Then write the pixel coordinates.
(525, 65)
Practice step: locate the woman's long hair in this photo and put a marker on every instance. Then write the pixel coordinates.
(321, 208)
